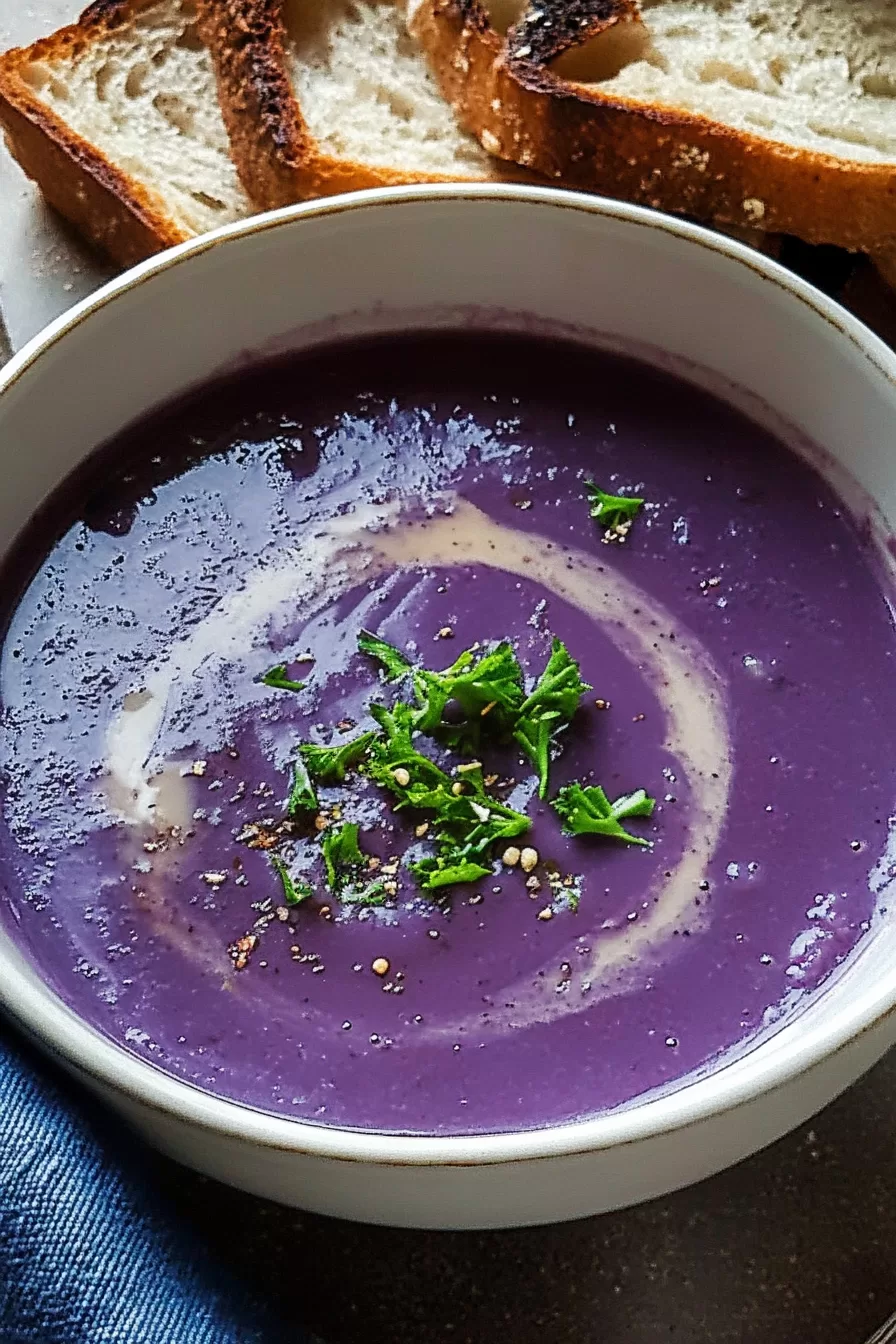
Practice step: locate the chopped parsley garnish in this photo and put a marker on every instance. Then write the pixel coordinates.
(482, 693)
(488, 690)
(342, 856)
(294, 893)
(466, 820)
(477, 685)
(302, 797)
(588, 811)
(554, 700)
(328, 764)
(394, 663)
(469, 824)
(278, 677)
(615, 513)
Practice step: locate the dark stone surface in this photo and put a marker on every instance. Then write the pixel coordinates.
(795, 1246)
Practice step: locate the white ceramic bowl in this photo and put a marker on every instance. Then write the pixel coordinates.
(388, 259)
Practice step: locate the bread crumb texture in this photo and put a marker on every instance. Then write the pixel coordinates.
(818, 75)
(367, 94)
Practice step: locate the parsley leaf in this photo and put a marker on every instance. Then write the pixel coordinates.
(554, 700)
(302, 797)
(446, 870)
(467, 822)
(374, 893)
(344, 862)
(489, 685)
(534, 736)
(328, 764)
(278, 678)
(342, 855)
(294, 893)
(559, 688)
(397, 724)
(394, 756)
(495, 679)
(395, 664)
(615, 513)
(470, 824)
(588, 811)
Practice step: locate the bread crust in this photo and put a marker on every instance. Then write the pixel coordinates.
(666, 158)
(276, 156)
(115, 212)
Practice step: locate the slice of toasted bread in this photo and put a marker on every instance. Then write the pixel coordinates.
(779, 114)
(117, 120)
(322, 96)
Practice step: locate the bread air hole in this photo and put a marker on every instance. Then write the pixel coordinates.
(723, 72)
(36, 76)
(210, 202)
(308, 26)
(864, 136)
(879, 86)
(102, 79)
(190, 39)
(175, 111)
(603, 56)
(135, 84)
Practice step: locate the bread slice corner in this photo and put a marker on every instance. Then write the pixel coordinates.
(771, 114)
(116, 119)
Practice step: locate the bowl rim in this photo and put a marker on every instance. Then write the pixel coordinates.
(44, 1015)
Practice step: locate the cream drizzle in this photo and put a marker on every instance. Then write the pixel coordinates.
(374, 540)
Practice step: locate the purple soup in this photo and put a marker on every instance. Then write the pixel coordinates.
(432, 489)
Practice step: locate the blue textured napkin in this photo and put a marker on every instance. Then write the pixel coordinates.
(89, 1253)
